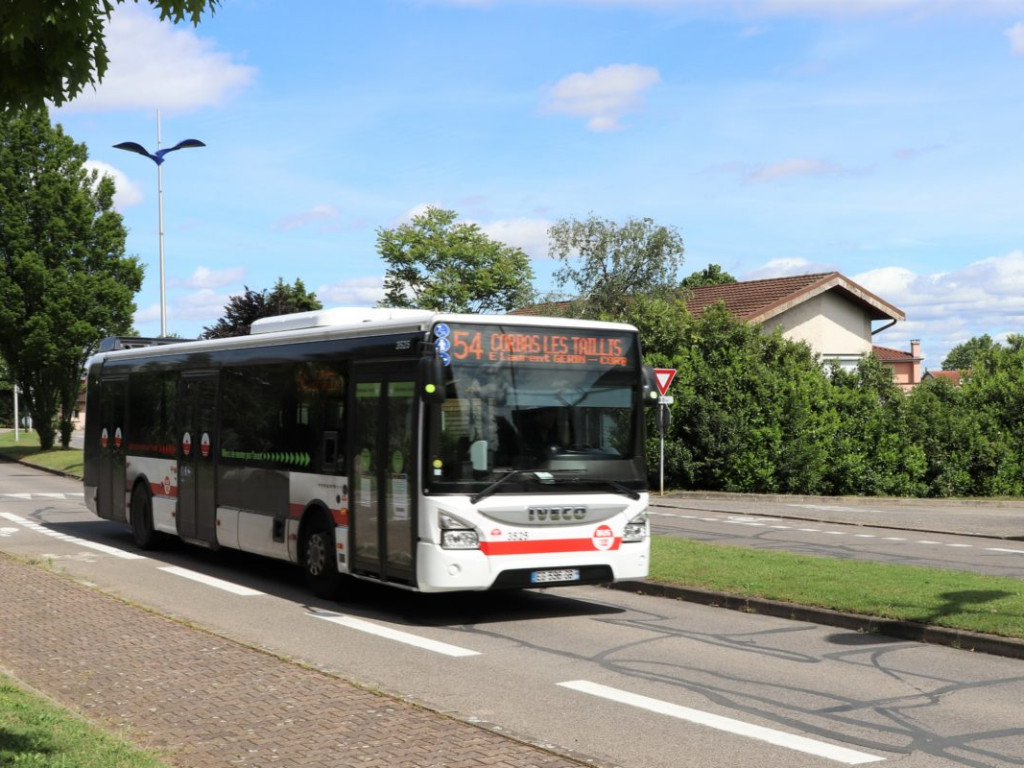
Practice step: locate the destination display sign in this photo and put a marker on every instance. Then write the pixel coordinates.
(553, 346)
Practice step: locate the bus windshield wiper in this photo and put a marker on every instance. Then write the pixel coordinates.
(613, 484)
(542, 475)
(634, 495)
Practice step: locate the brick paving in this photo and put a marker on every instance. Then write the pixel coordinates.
(203, 701)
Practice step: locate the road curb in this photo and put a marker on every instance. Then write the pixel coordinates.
(903, 630)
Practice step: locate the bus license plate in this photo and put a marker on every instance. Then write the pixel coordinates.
(559, 574)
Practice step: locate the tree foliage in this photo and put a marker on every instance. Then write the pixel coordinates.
(605, 266)
(50, 50)
(64, 277)
(243, 310)
(962, 356)
(754, 412)
(750, 409)
(712, 274)
(433, 262)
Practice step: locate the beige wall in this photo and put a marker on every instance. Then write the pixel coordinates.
(832, 326)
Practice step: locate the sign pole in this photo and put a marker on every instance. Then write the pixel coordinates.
(661, 421)
(663, 377)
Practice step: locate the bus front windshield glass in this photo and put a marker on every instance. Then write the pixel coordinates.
(539, 410)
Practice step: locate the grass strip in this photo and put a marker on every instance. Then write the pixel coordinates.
(954, 599)
(36, 733)
(27, 449)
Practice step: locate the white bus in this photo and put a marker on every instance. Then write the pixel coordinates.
(432, 452)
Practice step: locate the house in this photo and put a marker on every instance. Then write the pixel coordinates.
(906, 366)
(953, 377)
(835, 316)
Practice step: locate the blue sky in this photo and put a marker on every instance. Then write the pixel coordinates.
(883, 139)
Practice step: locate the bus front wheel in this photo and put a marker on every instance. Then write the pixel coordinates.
(318, 559)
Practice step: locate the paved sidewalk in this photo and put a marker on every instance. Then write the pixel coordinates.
(205, 702)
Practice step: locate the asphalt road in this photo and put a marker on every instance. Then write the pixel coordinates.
(890, 532)
(623, 679)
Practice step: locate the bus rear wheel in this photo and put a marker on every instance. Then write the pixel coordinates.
(142, 519)
(318, 559)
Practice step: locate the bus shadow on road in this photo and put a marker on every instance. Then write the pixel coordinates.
(365, 599)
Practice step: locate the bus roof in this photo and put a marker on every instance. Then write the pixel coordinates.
(349, 322)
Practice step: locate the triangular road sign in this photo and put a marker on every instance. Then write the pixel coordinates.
(664, 377)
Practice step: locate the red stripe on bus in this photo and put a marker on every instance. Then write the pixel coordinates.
(157, 489)
(543, 546)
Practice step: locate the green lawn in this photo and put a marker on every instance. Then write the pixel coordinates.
(27, 449)
(35, 733)
(954, 599)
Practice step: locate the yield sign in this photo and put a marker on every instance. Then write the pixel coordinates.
(664, 377)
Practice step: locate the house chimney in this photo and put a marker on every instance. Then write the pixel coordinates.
(915, 353)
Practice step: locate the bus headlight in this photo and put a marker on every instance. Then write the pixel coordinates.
(456, 533)
(636, 529)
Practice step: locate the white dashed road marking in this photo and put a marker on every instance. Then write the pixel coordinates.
(727, 724)
(32, 526)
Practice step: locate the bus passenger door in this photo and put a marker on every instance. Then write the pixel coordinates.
(384, 474)
(197, 440)
(111, 491)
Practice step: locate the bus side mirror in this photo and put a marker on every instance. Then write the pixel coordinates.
(430, 379)
(649, 387)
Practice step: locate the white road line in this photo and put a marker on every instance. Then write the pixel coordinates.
(396, 635)
(32, 526)
(1010, 551)
(894, 538)
(864, 536)
(926, 541)
(728, 724)
(30, 496)
(211, 581)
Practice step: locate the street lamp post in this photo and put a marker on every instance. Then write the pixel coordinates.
(158, 158)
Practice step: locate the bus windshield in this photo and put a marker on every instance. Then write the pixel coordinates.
(531, 408)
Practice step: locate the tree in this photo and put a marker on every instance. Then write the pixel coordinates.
(51, 49)
(750, 409)
(607, 265)
(64, 277)
(873, 452)
(242, 311)
(712, 274)
(962, 356)
(436, 263)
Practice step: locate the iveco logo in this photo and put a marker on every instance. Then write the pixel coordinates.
(555, 514)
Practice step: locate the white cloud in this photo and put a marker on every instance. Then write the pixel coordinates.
(321, 213)
(786, 268)
(1016, 35)
(154, 64)
(204, 278)
(530, 235)
(359, 292)
(797, 166)
(949, 308)
(604, 95)
(127, 192)
(203, 306)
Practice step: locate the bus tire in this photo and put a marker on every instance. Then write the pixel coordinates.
(143, 532)
(318, 558)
